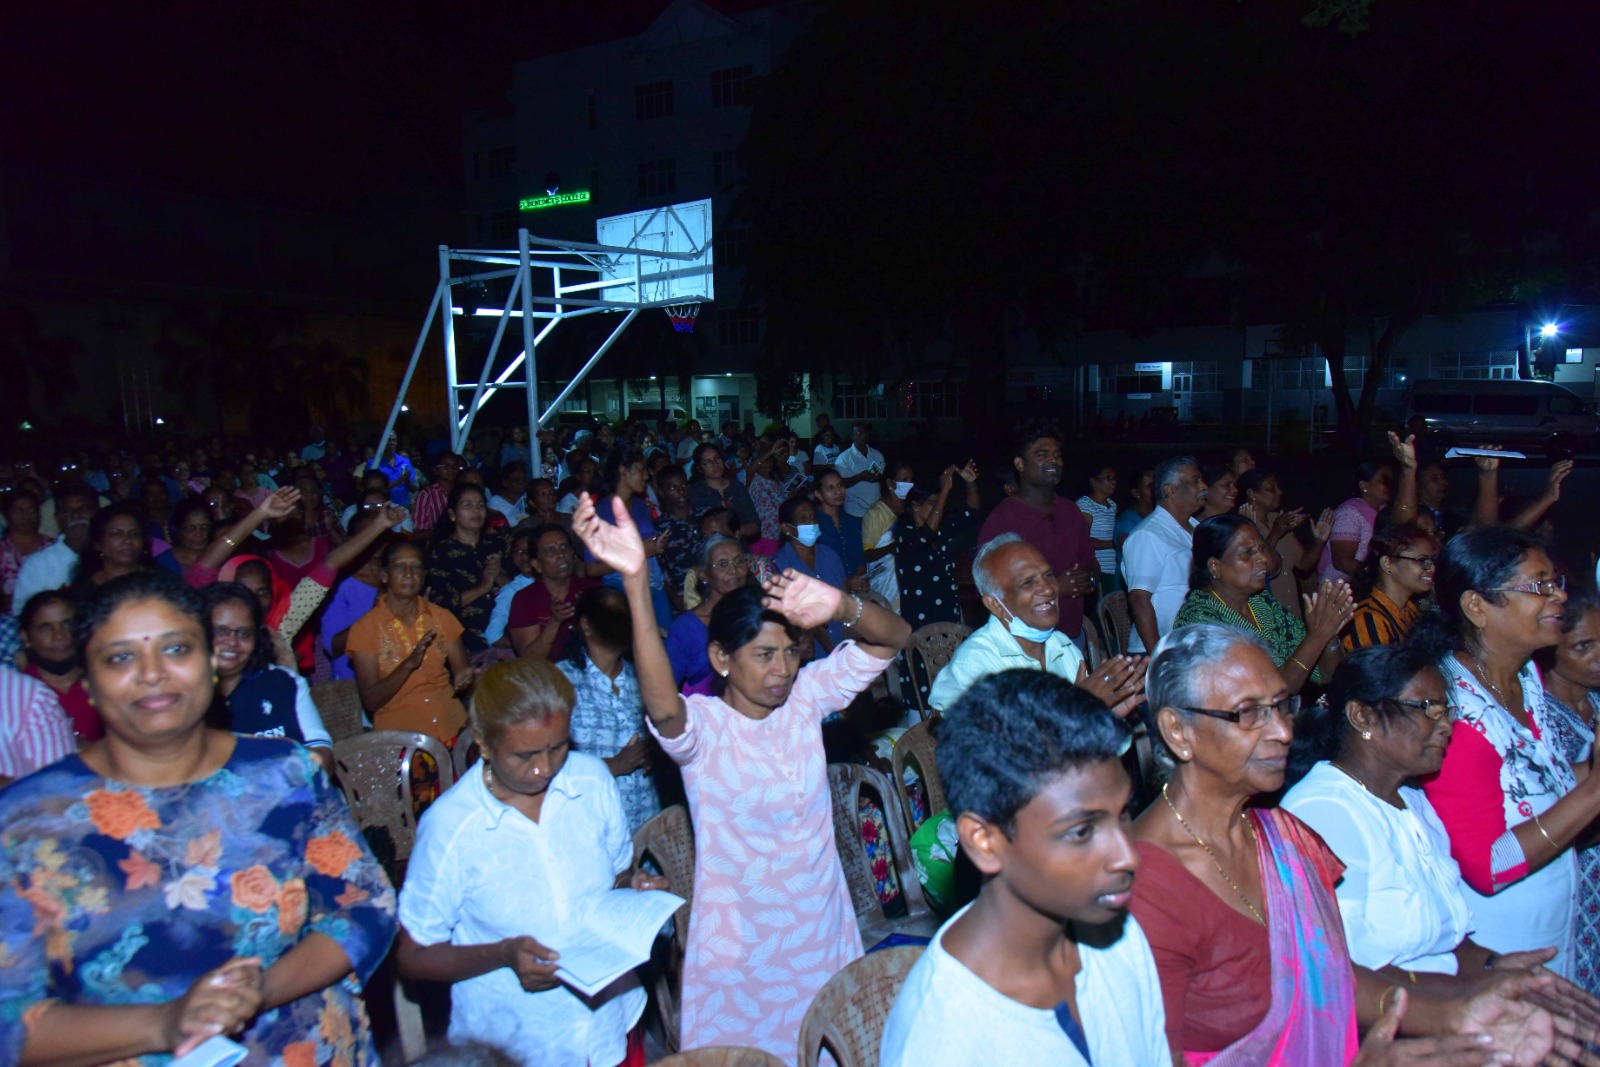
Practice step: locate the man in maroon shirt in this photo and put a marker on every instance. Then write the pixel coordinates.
(1051, 523)
(541, 614)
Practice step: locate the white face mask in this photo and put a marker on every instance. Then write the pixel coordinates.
(808, 533)
(902, 489)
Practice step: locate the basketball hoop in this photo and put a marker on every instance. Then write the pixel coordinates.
(682, 317)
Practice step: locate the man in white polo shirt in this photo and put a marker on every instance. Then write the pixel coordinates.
(1019, 588)
(1156, 556)
(861, 466)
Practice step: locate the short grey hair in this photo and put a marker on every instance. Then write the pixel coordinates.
(1175, 672)
(1169, 472)
(987, 586)
(703, 557)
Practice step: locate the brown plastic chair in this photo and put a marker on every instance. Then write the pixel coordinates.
(668, 839)
(1095, 643)
(375, 774)
(1116, 620)
(849, 1013)
(915, 748)
(721, 1057)
(845, 782)
(465, 753)
(930, 649)
(339, 704)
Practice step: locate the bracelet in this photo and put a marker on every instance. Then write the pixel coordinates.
(1384, 1000)
(1547, 836)
(1490, 960)
(1297, 663)
(860, 607)
(230, 542)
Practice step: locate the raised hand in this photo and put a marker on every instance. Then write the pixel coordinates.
(947, 479)
(1558, 474)
(617, 544)
(805, 601)
(1329, 608)
(1405, 452)
(281, 503)
(970, 471)
(222, 1001)
(532, 963)
(392, 516)
(1487, 463)
(420, 652)
(1323, 526)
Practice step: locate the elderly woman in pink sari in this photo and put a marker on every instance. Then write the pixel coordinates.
(1238, 901)
(772, 919)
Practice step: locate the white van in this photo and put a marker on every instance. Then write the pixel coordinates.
(1503, 412)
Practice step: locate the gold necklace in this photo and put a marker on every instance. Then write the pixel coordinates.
(1216, 862)
(1249, 607)
(1483, 676)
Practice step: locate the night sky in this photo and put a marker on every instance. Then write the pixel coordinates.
(314, 103)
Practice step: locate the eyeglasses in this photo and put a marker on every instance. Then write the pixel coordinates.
(1543, 587)
(1255, 716)
(228, 633)
(1433, 709)
(730, 563)
(1427, 563)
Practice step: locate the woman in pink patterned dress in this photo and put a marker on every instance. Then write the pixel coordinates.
(772, 918)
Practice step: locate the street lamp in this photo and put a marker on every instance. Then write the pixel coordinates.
(1546, 331)
(1549, 329)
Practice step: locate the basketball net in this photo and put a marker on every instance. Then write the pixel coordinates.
(682, 317)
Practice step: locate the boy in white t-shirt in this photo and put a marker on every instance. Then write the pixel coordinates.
(1046, 966)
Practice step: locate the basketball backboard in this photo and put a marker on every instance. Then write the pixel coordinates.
(683, 230)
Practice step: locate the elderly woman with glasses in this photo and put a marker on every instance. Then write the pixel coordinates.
(1511, 800)
(722, 568)
(1397, 574)
(1356, 755)
(1238, 902)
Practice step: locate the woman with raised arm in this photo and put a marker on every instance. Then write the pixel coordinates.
(757, 781)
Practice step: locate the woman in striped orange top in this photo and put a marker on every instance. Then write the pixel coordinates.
(1397, 573)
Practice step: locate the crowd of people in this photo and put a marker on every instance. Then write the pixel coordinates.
(1323, 869)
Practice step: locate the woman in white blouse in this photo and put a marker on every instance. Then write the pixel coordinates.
(1385, 722)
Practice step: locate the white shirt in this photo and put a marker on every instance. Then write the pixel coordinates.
(824, 455)
(861, 496)
(1401, 897)
(514, 512)
(501, 615)
(49, 568)
(992, 648)
(481, 872)
(1155, 559)
(946, 1015)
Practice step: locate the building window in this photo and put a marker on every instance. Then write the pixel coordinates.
(729, 241)
(725, 169)
(930, 400)
(591, 113)
(659, 177)
(1196, 377)
(859, 400)
(731, 87)
(1473, 365)
(503, 225)
(652, 100)
(1124, 378)
(499, 162)
(739, 326)
(1305, 372)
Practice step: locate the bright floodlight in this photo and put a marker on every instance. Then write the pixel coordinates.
(1549, 329)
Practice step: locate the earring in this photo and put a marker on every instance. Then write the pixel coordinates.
(1184, 754)
(724, 674)
(216, 679)
(1366, 735)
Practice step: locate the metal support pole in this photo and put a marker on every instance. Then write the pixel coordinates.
(530, 369)
(440, 294)
(452, 383)
(478, 397)
(583, 372)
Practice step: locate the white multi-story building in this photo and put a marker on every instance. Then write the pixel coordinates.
(634, 123)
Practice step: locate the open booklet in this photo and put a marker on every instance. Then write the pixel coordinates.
(613, 937)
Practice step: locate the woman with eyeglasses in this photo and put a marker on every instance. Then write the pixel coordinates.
(1513, 803)
(1396, 576)
(1238, 901)
(1228, 584)
(722, 568)
(1357, 755)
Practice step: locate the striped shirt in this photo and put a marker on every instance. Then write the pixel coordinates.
(1378, 621)
(34, 731)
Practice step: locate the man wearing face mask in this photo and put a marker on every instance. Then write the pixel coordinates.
(878, 527)
(52, 567)
(798, 526)
(1021, 591)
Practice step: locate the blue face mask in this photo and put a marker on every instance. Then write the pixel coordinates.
(1021, 629)
(808, 533)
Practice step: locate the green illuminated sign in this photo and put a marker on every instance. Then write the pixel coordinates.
(534, 203)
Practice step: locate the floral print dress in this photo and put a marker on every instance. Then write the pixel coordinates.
(113, 894)
(1572, 733)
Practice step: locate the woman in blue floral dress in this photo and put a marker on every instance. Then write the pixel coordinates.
(172, 882)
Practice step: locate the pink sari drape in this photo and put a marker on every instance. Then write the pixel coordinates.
(1312, 1019)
